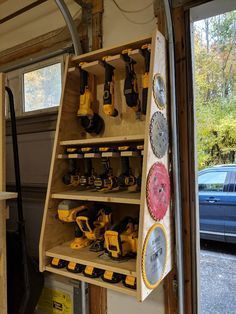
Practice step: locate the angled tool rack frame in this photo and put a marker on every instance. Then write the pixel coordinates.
(4, 196)
(154, 252)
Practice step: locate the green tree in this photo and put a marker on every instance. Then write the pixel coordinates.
(215, 58)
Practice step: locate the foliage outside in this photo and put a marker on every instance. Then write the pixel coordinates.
(42, 88)
(215, 85)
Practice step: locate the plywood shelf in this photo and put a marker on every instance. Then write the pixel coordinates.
(103, 140)
(94, 281)
(85, 257)
(104, 154)
(123, 197)
(130, 153)
(95, 67)
(92, 155)
(7, 196)
(99, 54)
(117, 62)
(137, 56)
(111, 154)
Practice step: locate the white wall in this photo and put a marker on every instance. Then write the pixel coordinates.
(35, 156)
(120, 303)
(117, 30)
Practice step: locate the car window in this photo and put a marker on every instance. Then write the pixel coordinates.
(232, 182)
(212, 181)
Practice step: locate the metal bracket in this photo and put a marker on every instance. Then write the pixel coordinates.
(71, 25)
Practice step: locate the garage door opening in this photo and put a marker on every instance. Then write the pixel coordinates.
(215, 106)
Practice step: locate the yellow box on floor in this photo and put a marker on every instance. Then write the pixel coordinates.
(60, 296)
(54, 301)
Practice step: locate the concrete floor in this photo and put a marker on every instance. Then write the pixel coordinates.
(218, 278)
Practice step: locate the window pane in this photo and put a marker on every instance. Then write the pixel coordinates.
(42, 88)
(212, 181)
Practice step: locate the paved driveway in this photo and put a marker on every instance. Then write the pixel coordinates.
(218, 278)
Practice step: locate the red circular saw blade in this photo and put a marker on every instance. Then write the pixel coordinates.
(158, 191)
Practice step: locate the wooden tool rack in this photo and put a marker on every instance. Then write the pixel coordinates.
(125, 129)
(4, 196)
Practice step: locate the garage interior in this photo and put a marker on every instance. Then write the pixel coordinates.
(91, 47)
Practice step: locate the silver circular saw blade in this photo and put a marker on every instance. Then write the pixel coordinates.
(158, 132)
(159, 91)
(154, 256)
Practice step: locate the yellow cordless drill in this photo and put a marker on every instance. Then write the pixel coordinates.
(90, 121)
(93, 222)
(146, 50)
(67, 211)
(108, 95)
(122, 239)
(131, 85)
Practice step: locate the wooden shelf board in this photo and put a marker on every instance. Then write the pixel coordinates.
(137, 56)
(7, 196)
(98, 54)
(75, 156)
(110, 154)
(122, 197)
(96, 140)
(117, 62)
(85, 257)
(62, 156)
(92, 155)
(95, 68)
(130, 154)
(95, 281)
(74, 70)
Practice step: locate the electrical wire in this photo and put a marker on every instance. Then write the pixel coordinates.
(131, 11)
(138, 23)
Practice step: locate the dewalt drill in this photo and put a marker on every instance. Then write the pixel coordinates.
(67, 211)
(126, 178)
(93, 222)
(72, 177)
(122, 239)
(130, 85)
(90, 121)
(108, 94)
(106, 182)
(88, 177)
(146, 51)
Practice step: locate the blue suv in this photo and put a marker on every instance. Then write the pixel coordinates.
(217, 203)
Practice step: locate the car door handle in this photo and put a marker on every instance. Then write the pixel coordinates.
(212, 200)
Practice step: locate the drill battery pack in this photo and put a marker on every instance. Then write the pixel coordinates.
(58, 263)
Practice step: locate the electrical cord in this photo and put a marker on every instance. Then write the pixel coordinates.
(138, 23)
(123, 11)
(131, 11)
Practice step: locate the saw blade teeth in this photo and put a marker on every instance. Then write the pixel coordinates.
(158, 191)
(158, 133)
(154, 256)
(159, 91)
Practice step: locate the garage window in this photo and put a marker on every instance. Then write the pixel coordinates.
(37, 87)
(212, 181)
(42, 88)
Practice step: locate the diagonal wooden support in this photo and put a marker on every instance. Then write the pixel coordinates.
(3, 197)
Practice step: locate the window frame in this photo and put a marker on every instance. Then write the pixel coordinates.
(20, 113)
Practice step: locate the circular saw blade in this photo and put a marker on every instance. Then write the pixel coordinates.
(158, 132)
(158, 191)
(159, 91)
(154, 256)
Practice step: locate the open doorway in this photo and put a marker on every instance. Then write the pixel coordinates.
(214, 52)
